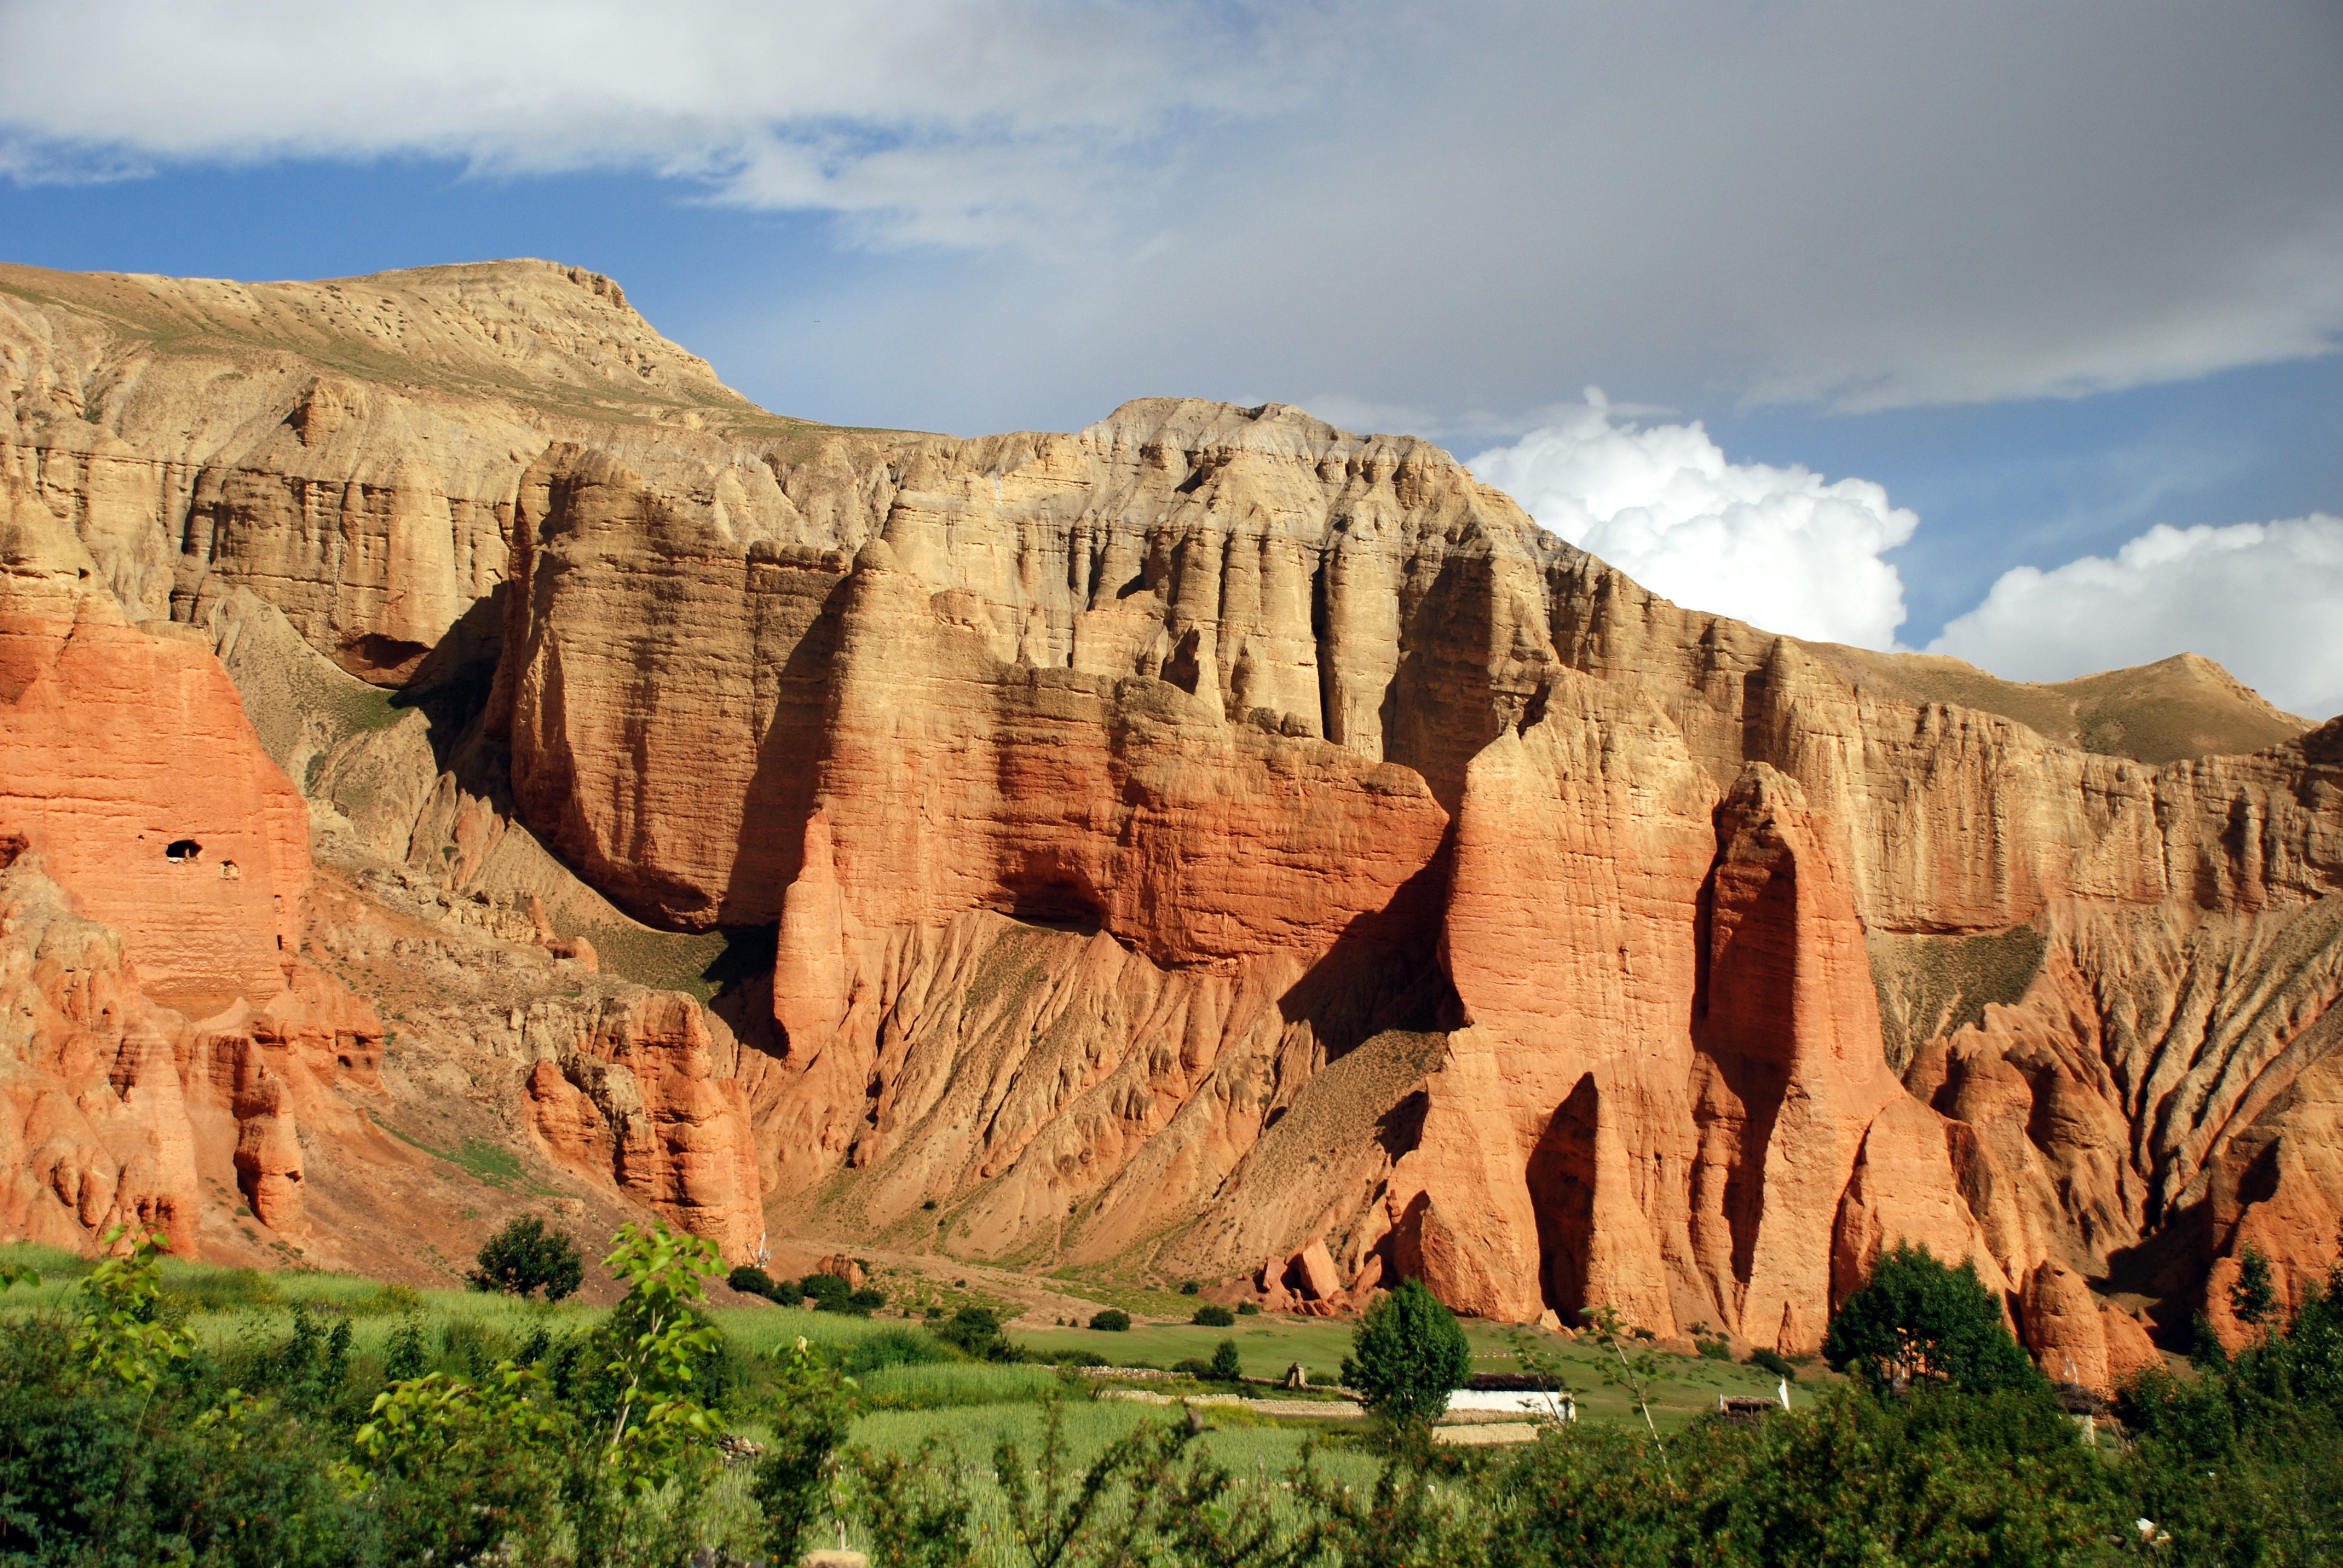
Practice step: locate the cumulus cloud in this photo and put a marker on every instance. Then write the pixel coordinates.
(1783, 548)
(2264, 599)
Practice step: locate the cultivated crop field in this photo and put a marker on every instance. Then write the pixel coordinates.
(914, 1395)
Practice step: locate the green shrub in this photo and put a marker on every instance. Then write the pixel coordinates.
(828, 1293)
(1714, 1349)
(1113, 1320)
(810, 1421)
(1212, 1315)
(752, 1280)
(1227, 1367)
(1916, 1319)
(1248, 1309)
(1188, 1287)
(2254, 1297)
(975, 1332)
(1766, 1357)
(525, 1257)
(1408, 1354)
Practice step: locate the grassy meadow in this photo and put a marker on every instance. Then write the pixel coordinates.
(266, 1420)
(901, 1370)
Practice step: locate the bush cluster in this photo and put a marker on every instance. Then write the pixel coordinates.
(828, 1292)
(122, 1442)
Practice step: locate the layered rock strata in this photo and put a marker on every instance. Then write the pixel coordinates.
(1212, 836)
(1673, 868)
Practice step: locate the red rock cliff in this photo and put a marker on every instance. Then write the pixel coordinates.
(1211, 834)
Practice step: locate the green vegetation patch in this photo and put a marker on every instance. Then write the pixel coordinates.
(489, 1163)
(1931, 987)
(701, 964)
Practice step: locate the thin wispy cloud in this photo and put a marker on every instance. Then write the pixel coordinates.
(959, 122)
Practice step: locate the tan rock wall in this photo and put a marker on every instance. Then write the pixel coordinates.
(1108, 791)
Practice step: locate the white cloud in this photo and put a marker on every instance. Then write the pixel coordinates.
(962, 122)
(1782, 548)
(2264, 599)
(1452, 207)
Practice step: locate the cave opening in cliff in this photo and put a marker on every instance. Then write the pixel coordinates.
(181, 851)
(1055, 899)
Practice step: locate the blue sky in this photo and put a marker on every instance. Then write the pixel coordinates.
(1952, 291)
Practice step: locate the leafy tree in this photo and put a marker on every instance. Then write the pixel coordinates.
(405, 1360)
(1113, 1320)
(525, 1257)
(122, 1331)
(2254, 1298)
(975, 1332)
(2237, 1462)
(661, 1349)
(1916, 1319)
(453, 1467)
(1212, 1315)
(1408, 1354)
(629, 1485)
(1227, 1367)
(810, 1420)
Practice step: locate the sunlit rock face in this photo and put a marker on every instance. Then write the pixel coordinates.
(1212, 837)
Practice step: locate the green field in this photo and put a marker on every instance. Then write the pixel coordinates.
(231, 1311)
(1268, 1344)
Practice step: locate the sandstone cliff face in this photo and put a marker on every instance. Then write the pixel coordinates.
(131, 770)
(638, 1098)
(1212, 836)
(350, 449)
(1672, 867)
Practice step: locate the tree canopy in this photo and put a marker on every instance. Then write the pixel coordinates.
(1919, 1319)
(525, 1257)
(1408, 1354)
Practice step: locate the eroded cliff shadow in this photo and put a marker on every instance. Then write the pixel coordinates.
(1444, 704)
(1383, 972)
(452, 685)
(1743, 1043)
(779, 799)
(1561, 1177)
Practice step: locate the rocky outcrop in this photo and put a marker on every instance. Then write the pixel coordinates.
(116, 1107)
(637, 1097)
(132, 772)
(95, 1123)
(1212, 835)
(350, 449)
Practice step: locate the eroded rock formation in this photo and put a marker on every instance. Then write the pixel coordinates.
(1227, 845)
